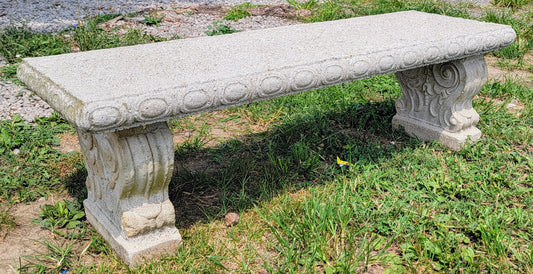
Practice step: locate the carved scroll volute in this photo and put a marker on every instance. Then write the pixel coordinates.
(102, 161)
(128, 176)
(441, 94)
(463, 115)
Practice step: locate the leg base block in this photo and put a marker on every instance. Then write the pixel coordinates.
(133, 250)
(427, 132)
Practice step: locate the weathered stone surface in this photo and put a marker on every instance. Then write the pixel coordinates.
(131, 86)
(437, 101)
(119, 99)
(127, 183)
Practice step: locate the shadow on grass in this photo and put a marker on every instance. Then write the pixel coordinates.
(75, 184)
(240, 173)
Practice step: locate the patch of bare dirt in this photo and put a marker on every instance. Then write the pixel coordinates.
(215, 128)
(497, 73)
(514, 106)
(21, 241)
(68, 143)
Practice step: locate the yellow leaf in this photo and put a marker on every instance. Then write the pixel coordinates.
(342, 163)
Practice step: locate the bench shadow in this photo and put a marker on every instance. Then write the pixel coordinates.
(239, 173)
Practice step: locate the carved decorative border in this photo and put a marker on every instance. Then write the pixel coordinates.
(160, 105)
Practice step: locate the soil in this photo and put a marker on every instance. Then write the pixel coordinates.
(497, 73)
(22, 240)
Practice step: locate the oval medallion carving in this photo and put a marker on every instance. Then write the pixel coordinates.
(105, 116)
(409, 59)
(474, 44)
(235, 92)
(196, 99)
(333, 74)
(454, 49)
(360, 68)
(303, 79)
(151, 108)
(386, 63)
(432, 54)
(272, 85)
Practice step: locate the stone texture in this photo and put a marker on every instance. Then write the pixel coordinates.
(231, 219)
(119, 99)
(437, 101)
(131, 86)
(127, 184)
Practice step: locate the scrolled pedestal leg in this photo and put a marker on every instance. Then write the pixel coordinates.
(128, 176)
(437, 101)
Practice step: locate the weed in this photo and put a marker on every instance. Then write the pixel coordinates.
(238, 12)
(106, 17)
(90, 36)
(152, 19)
(9, 73)
(218, 29)
(403, 205)
(28, 166)
(307, 5)
(57, 258)
(63, 214)
(523, 28)
(334, 10)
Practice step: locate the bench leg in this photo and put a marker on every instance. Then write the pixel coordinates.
(437, 101)
(127, 183)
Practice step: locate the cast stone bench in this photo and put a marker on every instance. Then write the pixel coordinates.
(120, 99)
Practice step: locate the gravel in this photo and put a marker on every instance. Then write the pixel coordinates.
(56, 15)
(15, 99)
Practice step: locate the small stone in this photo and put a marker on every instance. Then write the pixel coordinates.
(231, 219)
(513, 104)
(187, 134)
(16, 151)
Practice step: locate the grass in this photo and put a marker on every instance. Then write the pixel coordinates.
(219, 29)
(153, 19)
(17, 42)
(30, 165)
(511, 3)
(7, 221)
(523, 25)
(401, 205)
(518, 15)
(238, 12)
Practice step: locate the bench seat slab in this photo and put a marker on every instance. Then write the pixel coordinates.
(437, 101)
(127, 183)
